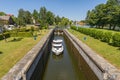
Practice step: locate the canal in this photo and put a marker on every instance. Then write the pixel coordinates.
(62, 67)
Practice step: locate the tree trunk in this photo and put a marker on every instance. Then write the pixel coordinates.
(102, 26)
(98, 27)
(114, 27)
(110, 26)
(119, 28)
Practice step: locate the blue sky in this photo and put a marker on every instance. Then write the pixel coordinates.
(72, 9)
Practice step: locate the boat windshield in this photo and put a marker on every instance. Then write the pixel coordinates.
(57, 42)
(57, 47)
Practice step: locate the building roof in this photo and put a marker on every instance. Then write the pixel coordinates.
(4, 17)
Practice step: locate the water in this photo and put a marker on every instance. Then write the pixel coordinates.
(62, 67)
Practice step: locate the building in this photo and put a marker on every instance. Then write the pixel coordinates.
(7, 22)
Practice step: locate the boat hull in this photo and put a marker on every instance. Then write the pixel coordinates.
(57, 52)
(57, 47)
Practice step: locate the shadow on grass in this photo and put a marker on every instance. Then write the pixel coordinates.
(118, 48)
(1, 52)
(111, 44)
(16, 39)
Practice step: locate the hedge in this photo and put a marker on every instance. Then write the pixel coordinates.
(21, 34)
(7, 35)
(116, 39)
(103, 35)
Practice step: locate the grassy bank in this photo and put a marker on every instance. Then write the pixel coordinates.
(12, 51)
(110, 53)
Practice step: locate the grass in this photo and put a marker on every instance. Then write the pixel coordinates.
(12, 51)
(110, 53)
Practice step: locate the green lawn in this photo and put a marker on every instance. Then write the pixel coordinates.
(110, 53)
(12, 51)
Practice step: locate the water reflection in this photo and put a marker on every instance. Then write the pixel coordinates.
(61, 67)
(57, 58)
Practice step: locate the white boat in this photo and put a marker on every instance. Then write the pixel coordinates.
(57, 47)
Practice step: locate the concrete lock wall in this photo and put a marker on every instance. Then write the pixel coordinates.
(102, 69)
(37, 56)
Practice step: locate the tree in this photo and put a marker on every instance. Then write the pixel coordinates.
(43, 17)
(35, 15)
(105, 14)
(50, 18)
(57, 20)
(28, 17)
(100, 11)
(91, 18)
(21, 17)
(2, 13)
(64, 22)
(24, 17)
(112, 13)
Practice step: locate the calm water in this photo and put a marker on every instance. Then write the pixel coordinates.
(62, 67)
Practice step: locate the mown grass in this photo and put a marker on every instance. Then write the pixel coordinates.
(13, 50)
(110, 53)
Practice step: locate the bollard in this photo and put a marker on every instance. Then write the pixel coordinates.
(85, 38)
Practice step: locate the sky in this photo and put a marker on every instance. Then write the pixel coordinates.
(73, 9)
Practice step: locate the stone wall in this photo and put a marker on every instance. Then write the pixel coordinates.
(101, 68)
(25, 68)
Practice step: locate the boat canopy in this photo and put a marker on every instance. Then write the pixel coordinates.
(57, 41)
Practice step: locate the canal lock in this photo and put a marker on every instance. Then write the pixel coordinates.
(67, 66)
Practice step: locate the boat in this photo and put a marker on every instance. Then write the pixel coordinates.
(57, 47)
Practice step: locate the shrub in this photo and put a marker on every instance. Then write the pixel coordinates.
(21, 34)
(22, 29)
(116, 39)
(32, 28)
(73, 27)
(7, 35)
(106, 36)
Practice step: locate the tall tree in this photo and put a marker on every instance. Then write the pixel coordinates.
(35, 16)
(64, 22)
(105, 14)
(91, 18)
(50, 18)
(24, 17)
(113, 10)
(57, 20)
(21, 17)
(28, 17)
(100, 12)
(43, 17)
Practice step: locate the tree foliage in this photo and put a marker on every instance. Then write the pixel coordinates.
(24, 17)
(105, 14)
(2, 13)
(35, 15)
(43, 17)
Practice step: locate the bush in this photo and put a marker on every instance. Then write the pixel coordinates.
(7, 35)
(22, 29)
(106, 36)
(73, 27)
(21, 34)
(116, 39)
(32, 28)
